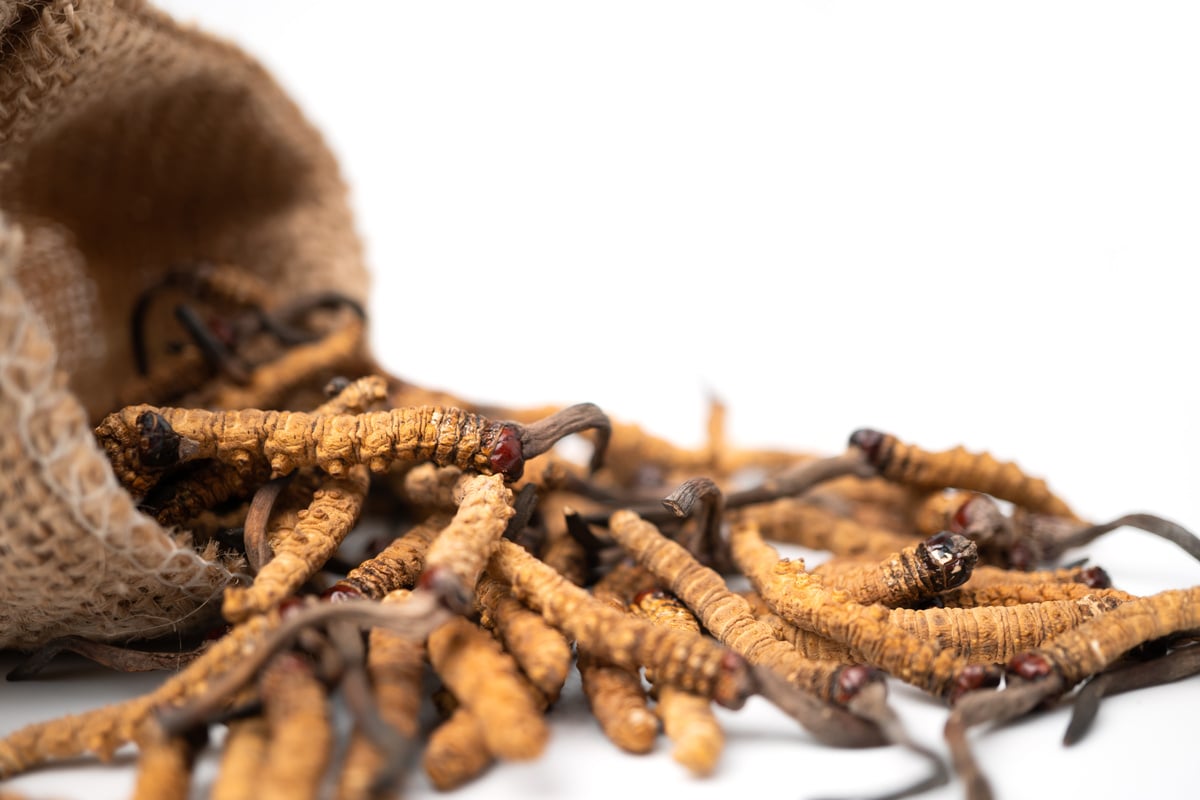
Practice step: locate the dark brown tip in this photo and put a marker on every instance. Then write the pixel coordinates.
(336, 386)
(158, 444)
(851, 680)
(949, 556)
(1095, 578)
(974, 677)
(870, 441)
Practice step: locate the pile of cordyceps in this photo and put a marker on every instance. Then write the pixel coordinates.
(653, 570)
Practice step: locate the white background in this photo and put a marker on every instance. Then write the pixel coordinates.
(964, 223)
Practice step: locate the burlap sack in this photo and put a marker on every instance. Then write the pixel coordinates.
(128, 143)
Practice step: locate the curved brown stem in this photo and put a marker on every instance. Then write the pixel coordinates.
(976, 708)
(1175, 665)
(538, 437)
(871, 703)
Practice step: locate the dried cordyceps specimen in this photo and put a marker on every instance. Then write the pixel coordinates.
(1025, 539)
(459, 553)
(958, 468)
(797, 521)
(397, 566)
(616, 694)
(619, 703)
(1043, 674)
(396, 666)
(542, 651)
(269, 385)
(225, 286)
(486, 680)
(800, 598)
(430, 488)
(1015, 593)
(300, 740)
(164, 770)
(141, 441)
(208, 484)
(912, 575)
(319, 530)
(687, 719)
(456, 751)
(101, 731)
(730, 618)
(995, 634)
(242, 756)
(984, 576)
(692, 662)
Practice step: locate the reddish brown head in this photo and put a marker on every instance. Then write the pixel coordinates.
(505, 455)
(340, 592)
(973, 677)
(852, 680)
(1030, 666)
(1095, 578)
(648, 594)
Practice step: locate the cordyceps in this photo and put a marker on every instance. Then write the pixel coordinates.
(1042, 526)
(1043, 674)
(142, 441)
(492, 584)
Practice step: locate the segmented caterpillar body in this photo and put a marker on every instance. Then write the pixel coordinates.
(957, 468)
(135, 439)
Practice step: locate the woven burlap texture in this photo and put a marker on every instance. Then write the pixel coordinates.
(128, 143)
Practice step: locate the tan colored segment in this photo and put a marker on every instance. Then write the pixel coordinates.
(457, 751)
(399, 565)
(301, 735)
(103, 730)
(801, 599)
(543, 652)
(164, 767)
(462, 549)
(242, 756)
(486, 679)
(299, 555)
(691, 661)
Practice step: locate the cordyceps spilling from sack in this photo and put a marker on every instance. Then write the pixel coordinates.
(207, 470)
